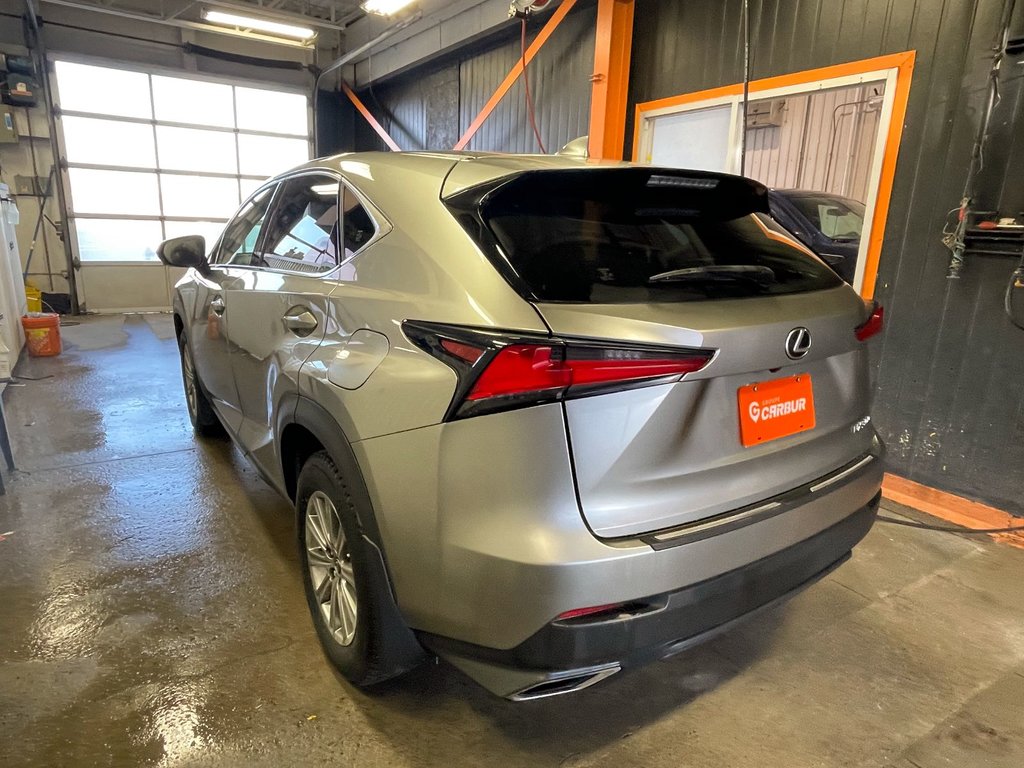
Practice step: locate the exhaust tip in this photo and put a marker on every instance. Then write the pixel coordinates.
(565, 682)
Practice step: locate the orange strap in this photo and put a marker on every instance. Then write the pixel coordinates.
(369, 117)
(515, 72)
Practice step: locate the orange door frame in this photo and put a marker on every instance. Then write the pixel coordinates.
(903, 63)
(358, 103)
(610, 91)
(515, 72)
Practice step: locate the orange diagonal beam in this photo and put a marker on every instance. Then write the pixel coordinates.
(515, 72)
(369, 117)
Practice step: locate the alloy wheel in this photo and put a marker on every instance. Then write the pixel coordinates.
(330, 568)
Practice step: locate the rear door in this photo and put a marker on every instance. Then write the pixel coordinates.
(689, 260)
(278, 306)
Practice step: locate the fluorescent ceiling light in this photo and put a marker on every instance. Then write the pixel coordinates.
(263, 25)
(385, 7)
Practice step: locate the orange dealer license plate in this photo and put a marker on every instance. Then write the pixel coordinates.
(773, 409)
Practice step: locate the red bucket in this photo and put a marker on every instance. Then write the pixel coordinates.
(42, 333)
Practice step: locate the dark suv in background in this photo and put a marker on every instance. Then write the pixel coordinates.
(830, 225)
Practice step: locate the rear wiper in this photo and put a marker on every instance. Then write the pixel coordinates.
(739, 271)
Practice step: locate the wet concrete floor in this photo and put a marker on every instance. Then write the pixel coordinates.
(151, 613)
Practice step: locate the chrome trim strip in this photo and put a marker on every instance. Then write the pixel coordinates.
(841, 474)
(739, 518)
(716, 523)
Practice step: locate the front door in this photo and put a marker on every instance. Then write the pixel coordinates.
(212, 318)
(279, 307)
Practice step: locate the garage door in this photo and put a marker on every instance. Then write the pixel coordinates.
(152, 155)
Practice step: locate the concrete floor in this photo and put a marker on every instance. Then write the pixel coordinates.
(152, 613)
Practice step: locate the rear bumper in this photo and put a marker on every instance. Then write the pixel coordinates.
(568, 655)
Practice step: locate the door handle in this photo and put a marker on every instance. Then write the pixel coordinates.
(301, 321)
(217, 305)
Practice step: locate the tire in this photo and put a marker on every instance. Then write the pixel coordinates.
(200, 412)
(355, 637)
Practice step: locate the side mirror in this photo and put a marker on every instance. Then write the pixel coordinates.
(188, 251)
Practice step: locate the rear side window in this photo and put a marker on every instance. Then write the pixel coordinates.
(637, 235)
(837, 218)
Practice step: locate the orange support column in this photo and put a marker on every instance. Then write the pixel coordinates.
(611, 79)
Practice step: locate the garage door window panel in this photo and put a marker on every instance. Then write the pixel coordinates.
(179, 100)
(257, 109)
(267, 155)
(114, 192)
(192, 149)
(198, 196)
(92, 141)
(103, 90)
(118, 239)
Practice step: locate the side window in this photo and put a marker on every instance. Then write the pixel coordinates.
(238, 244)
(302, 231)
(357, 225)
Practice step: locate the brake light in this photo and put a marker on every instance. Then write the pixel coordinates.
(521, 368)
(872, 325)
(499, 371)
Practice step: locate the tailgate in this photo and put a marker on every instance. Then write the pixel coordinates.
(662, 456)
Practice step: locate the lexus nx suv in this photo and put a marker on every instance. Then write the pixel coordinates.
(544, 418)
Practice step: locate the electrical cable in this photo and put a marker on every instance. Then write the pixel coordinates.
(529, 97)
(946, 528)
(746, 86)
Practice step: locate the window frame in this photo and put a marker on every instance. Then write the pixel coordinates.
(381, 225)
(160, 71)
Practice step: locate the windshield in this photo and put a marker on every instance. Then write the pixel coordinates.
(638, 236)
(838, 218)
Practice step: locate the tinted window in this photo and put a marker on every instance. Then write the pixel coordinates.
(357, 227)
(238, 243)
(837, 218)
(303, 228)
(640, 235)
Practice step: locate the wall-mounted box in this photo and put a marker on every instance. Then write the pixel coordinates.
(8, 129)
(19, 90)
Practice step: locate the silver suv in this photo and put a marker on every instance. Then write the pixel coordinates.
(543, 418)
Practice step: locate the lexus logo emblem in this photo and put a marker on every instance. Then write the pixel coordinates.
(798, 343)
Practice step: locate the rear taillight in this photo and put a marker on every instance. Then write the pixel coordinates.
(499, 371)
(872, 325)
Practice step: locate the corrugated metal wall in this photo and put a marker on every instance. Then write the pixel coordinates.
(430, 107)
(825, 142)
(950, 400)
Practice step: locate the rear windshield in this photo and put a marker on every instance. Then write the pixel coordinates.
(635, 235)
